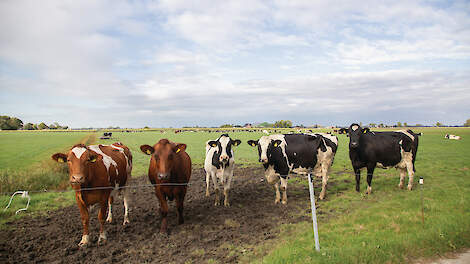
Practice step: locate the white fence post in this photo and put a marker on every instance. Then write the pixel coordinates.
(314, 211)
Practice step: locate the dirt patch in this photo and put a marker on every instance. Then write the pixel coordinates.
(209, 234)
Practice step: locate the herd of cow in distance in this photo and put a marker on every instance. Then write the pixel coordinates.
(98, 171)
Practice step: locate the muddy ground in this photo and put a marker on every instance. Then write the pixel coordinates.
(210, 233)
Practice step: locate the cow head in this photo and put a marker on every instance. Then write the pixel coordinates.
(224, 147)
(164, 154)
(355, 132)
(79, 159)
(268, 148)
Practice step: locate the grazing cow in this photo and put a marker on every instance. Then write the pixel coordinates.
(220, 162)
(97, 166)
(282, 154)
(369, 149)
(325, 159)
(454, 137)
(169, 171)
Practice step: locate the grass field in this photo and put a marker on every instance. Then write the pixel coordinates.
(384, 227)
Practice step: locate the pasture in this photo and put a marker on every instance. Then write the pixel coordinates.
(354, 228)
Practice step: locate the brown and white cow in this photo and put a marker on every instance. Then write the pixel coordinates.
(169, 171)
(103, 167)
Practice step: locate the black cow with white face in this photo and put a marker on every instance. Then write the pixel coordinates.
(220, 162)
(282, 154)
(369, 150)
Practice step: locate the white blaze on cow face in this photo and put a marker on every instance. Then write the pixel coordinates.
(264, 142)
(224, 141)
(78, 151)
(355, 127)
(107, 160)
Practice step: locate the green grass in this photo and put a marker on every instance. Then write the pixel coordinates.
(386, 227)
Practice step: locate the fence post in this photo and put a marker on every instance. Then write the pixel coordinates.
(314, 211)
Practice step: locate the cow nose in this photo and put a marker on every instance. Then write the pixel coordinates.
(354, 144)
(76, 179)
(264, 160)
(162, 175)
(224, 158)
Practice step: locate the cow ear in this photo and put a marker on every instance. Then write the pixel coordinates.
(277, 143)
(236, 142)
(365, 130)
(180, 147)
(92, 158)
(212, 143)
(147, 149)
(252, 142)
(59, 157)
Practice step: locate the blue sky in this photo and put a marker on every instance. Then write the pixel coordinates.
(207, 63)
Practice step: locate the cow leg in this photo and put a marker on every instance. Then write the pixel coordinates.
(163, 211)
(179, 205)
(278, 194)
(324, 170)
(284, 190)
(216, 187)
(402, 178)
(101, 214)
(109, 219)
(411, 174)
(207, 184)
(126, 206)
(227, 187)
(370, 173)
(85, 223)
(357, 171)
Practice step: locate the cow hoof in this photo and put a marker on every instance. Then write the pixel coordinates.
(410, 187)
(284, 202)
(400, 185)
(226, 204)
(208, 194)
(126, 221)
(82, 245)
(217, 203)
(277, 201)
(322, 197)
(109, 219)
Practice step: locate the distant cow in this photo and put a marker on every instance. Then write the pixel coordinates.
(282, 154)
(369, 149)
(452, 137)
(97, 166)
(325, 159)
(219, 164)
(169, 171)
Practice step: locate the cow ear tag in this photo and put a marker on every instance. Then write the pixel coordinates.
(61, 160)
(275, 144)
(148, 152)
(365, 131)
(253, 144)
(214, 145)
(93, 160)
(178, 150)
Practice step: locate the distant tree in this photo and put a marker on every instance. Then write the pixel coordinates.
(467, 124)
(146, 127)
(42, 126)
(226, 126)
(10, 123)
(439, 124)
(28, 126)
(372, 124)
(283, 123)
(265, 124)
(405, 124)
(381, 125)
(398, 124)
(418, 125)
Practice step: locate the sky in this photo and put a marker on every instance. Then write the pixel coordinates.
(178, 63)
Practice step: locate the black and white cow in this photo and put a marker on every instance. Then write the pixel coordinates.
(219, 164)
(282, 154)
(447, 136)
(369, 150)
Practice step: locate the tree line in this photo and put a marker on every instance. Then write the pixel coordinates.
(14, 123)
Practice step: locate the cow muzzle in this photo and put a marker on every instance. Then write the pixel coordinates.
(77, 179)
(264, 161)
(162, 176)
(224, 159)
(354, 144)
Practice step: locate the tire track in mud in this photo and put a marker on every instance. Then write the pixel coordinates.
(209, 233)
